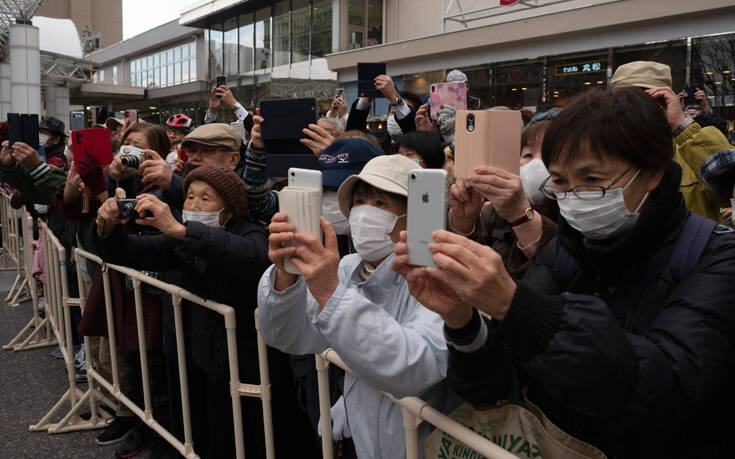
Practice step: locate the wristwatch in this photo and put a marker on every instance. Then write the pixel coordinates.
(399, 101)
(688, 121)
(527, 217)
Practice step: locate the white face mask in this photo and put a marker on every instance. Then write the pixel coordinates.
(42, 139)
(205, 218)
(330, 211)
(394, 130)
(600, 218)
(533, 175)
(128, 150)
(41, 208)
(371, 228)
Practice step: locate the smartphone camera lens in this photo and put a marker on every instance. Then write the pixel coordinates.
(413, 176)
(470, 122)
(293, 174)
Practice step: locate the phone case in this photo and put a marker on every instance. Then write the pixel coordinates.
(303, 208)
(285, 119)
(77, 121)
(453, 94)
(92, 143)
(23, 128)
(427, 212)
(494, 139)
(366, 73)
(305, 179)
(132, 115)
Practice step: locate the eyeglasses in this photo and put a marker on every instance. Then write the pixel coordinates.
(583, 192)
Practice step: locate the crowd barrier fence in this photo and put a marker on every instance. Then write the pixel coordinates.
(145, 413)
(414, 412)
(11, 255)
(37, 332)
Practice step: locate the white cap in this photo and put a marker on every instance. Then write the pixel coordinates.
(456, 75)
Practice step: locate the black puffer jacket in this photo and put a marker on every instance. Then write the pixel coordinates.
(650, 376)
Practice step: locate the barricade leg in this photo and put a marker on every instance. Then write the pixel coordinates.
(322, 373)
(235, 383)
(265, 393)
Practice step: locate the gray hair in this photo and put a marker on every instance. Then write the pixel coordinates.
(338, 122)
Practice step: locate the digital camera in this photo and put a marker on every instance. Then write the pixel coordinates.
(126, 209)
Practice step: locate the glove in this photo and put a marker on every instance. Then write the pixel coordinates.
(91, 173)
(340, 427)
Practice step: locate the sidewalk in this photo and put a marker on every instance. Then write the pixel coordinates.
(30, 383)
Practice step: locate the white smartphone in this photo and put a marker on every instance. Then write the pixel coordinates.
(427, 212)
(301, 201)
(132, 115)
(305, 178)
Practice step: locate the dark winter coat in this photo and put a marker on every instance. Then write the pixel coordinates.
(643, 376)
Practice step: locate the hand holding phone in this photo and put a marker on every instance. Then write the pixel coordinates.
(220, 81)
(691, 98)
(427, 212)
(301, 201)
(131, 115)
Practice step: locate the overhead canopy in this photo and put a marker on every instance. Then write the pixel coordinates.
(58, 36)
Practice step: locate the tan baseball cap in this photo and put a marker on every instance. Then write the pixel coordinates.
(218, 135)
(113, 122)
(644, 74)
(388, 173)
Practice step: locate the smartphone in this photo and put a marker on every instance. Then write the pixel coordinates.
(23, 128)
(221, 81)
(93, 143)
(302, 206)
(131, 115)
(366, 73)
(305, 178)
(427, 212)
(691, 99)
(453, 94)
(77, 120)
(485, 137)
(340, 92)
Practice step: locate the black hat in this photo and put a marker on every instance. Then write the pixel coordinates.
(53, 124)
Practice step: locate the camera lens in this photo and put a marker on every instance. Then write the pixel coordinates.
(470, 117)
(413, 176)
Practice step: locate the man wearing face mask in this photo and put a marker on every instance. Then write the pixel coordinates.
(52, 139)
(218, 253)
(622, 331)
(517, 221)
(359, 307)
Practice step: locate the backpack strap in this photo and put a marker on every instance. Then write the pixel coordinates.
(692, 240)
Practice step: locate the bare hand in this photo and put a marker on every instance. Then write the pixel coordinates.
(256, 133)
(224, 94)
(178, 166)
(726, 213)
(162, 218)
(127, 124)
(384, 84)
(670, 103)
(25, 155)
(6, 156)
(214, 102)
(701, 97)
(503, 189)
(465, 206)
(156, 170)
(423, 122)
(339, 106)
(319, 264)
(475, 272)
(108, 214)
(320, 139)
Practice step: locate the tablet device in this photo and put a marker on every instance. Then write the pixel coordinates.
(281, 132)
(366, 73)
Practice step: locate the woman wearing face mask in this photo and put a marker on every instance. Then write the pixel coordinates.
(219, 253)
(623, 329)
(358, 306)
(518, 220)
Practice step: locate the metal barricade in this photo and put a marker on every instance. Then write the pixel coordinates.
(56, 294)
(414, 412)
(145, 413)
(11, 255)
(41, 334)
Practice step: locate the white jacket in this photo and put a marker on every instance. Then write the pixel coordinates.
(389, 341)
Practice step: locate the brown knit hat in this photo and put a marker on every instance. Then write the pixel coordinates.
(227, 184)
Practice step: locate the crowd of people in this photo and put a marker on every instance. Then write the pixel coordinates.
(596, 280)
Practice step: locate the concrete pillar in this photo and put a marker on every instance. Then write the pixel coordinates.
(25, 73)
(4, 90)
(57, 103)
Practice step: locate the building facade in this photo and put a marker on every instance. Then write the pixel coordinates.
(102, 16)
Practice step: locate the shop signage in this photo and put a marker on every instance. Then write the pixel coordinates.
(581, 67)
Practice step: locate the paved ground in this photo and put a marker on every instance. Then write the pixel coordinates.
(31, 382)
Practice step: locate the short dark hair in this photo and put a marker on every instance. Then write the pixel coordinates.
(411, 97)
(623, 122)
(427, 145)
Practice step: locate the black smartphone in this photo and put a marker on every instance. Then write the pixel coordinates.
(221, 81)
(23, 128)
(690, 99)
(366, 73)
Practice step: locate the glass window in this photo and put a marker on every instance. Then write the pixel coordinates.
(713, 70)
(193, 49)
(177, 54)
(572, 75)
(157, 76)
(102, 75)
(193, 69)
(184, 51)
(185, 71)
(375, 22)
(231, 46)
(177, 73)
(321, 35)
(356, 13)
(247, 48)
(262, 39)
(300, 27)
(216, 57)
(170, 74)
(281, 34)
(151, 78)
(150, 61)
(517, 86)
(164, 81)
(114, 74)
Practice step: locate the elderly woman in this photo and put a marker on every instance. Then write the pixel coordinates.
(623, 330)
(358, 306)
(219, 253)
